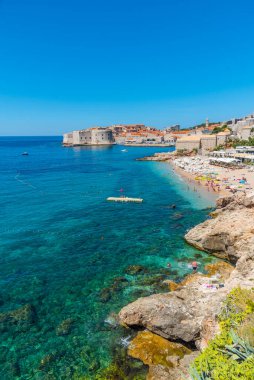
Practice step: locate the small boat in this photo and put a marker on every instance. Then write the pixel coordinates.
(124, 199)
(124, 150)
(25, 154)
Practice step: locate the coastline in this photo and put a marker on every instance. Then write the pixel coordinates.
(150, 145)
(198, 171)
(162, 315)
(190, 311)
(121, 239)
(199, 186)
(220, 180)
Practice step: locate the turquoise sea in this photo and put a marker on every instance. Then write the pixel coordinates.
(65, 253)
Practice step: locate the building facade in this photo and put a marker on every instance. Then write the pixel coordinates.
(201, 142)
(242, 128)
(91, 136)
(188, 143)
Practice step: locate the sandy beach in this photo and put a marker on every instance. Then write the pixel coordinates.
(200, 173)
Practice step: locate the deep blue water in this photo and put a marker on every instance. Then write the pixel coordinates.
(63, 249)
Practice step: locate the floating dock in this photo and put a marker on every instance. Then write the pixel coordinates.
(124, 199)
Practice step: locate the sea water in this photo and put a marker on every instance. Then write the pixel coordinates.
(65, 252)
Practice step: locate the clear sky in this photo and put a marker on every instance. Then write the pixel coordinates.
(67, 65)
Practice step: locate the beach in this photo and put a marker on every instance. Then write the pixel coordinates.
(200, 173)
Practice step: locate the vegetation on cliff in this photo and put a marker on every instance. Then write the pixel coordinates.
(249, 142)
(230, 355)
(220, 129)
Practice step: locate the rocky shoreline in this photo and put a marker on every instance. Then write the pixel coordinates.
(163, 156)
(188, 314)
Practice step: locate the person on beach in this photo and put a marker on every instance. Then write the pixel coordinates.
(194, 265)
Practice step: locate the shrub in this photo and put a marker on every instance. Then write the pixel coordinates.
(230, 355)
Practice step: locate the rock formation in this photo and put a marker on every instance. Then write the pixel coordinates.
(162, 357)
(188, 313)
(177, 315)
(18, 320)
(230, 234)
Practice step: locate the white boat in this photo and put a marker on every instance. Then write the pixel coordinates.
(124, 150)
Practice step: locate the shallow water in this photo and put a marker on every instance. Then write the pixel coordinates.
(63, 249)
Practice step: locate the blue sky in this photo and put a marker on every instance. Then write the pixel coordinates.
(66, 65)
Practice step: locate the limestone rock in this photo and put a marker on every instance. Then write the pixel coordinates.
(166, 360)
(181, 372)
(209, 329)
(177, 315)
(224, 201)
(189, 312)
(221, 268)
(153, 350)
(231, 234)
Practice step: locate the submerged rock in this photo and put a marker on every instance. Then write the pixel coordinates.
(64, 328)
(177, 216)
(118, 284)
(123, 367)
(18, 320)
(135, 269)
(152, 280)
(105, 295)
(46, 361)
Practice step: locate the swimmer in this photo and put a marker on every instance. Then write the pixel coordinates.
(194, 265)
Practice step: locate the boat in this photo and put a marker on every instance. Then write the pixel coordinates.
(124, 150)
(124, 199)
(25, 154)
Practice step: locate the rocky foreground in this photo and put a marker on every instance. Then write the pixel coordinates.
(188, 314)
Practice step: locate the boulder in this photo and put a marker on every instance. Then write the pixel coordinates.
(18, 320)
(221, 268)
(152, 349)
(64, 328)
(231, 234)
(159, 372)
(224, 201)
(166, 360)
(177, 315)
